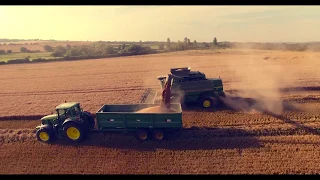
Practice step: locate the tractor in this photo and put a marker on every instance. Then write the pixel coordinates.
(69, 121)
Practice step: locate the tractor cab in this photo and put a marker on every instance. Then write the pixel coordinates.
(68, 110)
(63, 111)
(180, 75)
(186, 74)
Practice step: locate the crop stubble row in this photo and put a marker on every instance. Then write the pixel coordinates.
(266, 155)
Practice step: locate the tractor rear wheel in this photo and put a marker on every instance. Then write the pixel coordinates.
(45, 135)
(74, 132)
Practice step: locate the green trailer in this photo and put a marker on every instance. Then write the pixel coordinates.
(125, 118)
(74, 124)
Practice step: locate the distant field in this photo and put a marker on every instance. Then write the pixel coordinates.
(31, 56)
(154, 47)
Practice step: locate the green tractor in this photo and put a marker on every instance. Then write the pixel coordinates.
(189, 87)
(69, 121)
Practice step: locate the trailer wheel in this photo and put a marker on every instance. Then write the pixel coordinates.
(143, 135)
(158, 135)
(44, 135)
(73, 132)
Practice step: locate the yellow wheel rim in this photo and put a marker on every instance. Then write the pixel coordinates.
(73, 133)
(143, 136)
(159, 135)
(206, 103)
(44, 136)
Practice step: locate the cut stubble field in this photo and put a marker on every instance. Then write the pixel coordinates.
(274, 135)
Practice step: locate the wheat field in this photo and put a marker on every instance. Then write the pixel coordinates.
(275, 135)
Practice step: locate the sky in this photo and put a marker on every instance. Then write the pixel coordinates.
(157, 23)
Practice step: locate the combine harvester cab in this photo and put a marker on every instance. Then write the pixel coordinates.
(189, 87)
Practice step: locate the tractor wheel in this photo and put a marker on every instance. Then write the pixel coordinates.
(142, 135)
(74, 132)
(158, 135)
(45, 135)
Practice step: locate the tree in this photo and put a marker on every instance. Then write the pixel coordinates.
(161, 46)
(168, 44)
(108, 50)
(205, 44)
(195, 43)
(23, 49)
(73, 52)
(185, 40)
(59, 51)
(215, 42)
(134, 48)
(9, 51)
(48, 48)
(123, 46)
(2, 52)
(83, 50)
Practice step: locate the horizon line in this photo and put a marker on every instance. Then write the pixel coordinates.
(37, 39)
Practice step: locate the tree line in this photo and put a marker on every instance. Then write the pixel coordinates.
(187, 44)
(98, 49)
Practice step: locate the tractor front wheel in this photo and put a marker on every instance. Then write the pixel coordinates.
(44, 135)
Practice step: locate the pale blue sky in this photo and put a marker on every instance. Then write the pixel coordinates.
(134, 23)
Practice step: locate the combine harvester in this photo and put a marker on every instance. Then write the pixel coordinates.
(74, 124)
(188, 87)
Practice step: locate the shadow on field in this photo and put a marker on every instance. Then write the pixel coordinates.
(292, 122)
(186, 139)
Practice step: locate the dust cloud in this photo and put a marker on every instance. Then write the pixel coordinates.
(259, 80)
